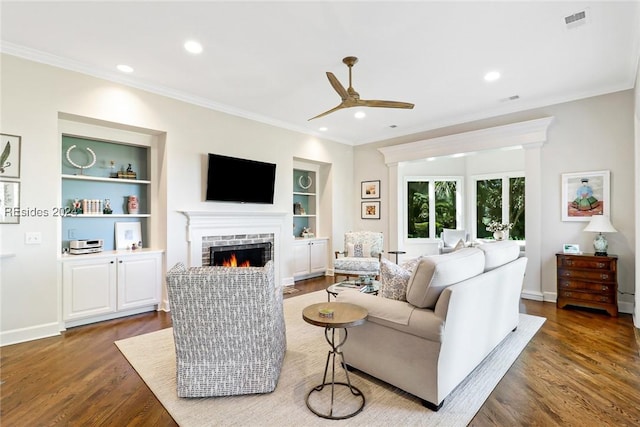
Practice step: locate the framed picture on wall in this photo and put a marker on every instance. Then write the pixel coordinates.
(370, 190)
(585, 194)
(9, 202)
(9, 156)
(370, 210)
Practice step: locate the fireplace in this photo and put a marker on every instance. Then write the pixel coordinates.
(247, 255)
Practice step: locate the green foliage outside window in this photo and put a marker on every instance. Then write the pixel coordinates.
(418, 218)
(489, 206)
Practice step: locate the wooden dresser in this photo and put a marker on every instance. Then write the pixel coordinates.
(587, 280)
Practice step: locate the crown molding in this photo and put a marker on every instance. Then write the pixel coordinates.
(524, 134)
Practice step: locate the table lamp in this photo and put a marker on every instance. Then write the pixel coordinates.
(600, 224)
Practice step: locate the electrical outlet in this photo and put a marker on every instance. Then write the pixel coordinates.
(33, 238)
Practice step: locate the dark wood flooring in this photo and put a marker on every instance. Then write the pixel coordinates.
(581, 369)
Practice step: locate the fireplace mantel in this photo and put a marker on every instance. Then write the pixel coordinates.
(201, 224)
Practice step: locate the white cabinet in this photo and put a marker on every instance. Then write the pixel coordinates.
(110, 284)
(310, 257)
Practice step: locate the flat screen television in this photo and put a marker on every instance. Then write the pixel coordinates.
(231, 179)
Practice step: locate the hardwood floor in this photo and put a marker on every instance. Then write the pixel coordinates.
(581, 369)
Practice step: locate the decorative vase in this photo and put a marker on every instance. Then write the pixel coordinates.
(132, 205)
(499, 235)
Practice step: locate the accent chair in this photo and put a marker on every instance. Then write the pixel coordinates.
(361, 255)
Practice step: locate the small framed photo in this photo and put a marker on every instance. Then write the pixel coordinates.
(9, 202)
(10, 156)
(127, 235)
(585, 194)
(370, 190)
(571, 248)
(370, 210)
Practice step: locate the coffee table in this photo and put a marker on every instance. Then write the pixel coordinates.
(336, 288)
(345, 316)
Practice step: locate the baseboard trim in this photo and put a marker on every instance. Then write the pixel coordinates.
(536, 296)
(31, 333)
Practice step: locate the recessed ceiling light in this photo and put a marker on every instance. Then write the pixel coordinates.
(125, 68)
(323, 129)
(193, 47)
(492, 76)
(360, 115)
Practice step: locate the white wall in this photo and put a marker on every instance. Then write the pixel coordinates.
(33, 96)
(636, 313)
(587, 135)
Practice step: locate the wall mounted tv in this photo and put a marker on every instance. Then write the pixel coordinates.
(231, 179)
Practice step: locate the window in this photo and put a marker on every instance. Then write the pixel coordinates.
(433, 203)
(499, 198)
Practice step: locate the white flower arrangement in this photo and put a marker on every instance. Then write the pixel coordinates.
(497, 226)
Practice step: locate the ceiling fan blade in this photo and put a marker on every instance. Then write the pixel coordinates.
(337, 86)
(384, 104)
(339, 107)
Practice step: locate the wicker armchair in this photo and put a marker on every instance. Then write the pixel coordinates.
(228, 329)
(361, 256)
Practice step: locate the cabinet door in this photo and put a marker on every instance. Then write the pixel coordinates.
(300, 258)
(138, 280)
(88, 288)
(317, 256)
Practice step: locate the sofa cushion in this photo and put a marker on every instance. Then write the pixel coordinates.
(394, 280)
(499, 253)
(434, 273)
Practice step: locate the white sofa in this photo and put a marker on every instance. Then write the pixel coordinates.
(459, 306)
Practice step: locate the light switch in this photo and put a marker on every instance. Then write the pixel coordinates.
(33, 238)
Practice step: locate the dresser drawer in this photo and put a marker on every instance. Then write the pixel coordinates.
(587, 262)
(585, 296)
(602, 288)
(600, 276)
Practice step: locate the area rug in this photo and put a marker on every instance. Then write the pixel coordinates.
(286, 290)
(153, 357)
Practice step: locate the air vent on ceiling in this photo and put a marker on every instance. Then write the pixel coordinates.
(510, 98)
(576, 20)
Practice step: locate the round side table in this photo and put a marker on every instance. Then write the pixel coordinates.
(396, 253)
(344, 316)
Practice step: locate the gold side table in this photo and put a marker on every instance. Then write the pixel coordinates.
(345, 316)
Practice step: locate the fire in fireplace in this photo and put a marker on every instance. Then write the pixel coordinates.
(250, 255)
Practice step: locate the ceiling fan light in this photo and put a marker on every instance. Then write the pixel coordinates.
(323, 129)
(360, 115)
(124, 68)
(492, 76)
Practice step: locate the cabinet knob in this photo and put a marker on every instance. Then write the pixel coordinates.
(120, 261)
(569, 262)
(605, 288)
(601, 265)
(568, 294)
(604, 276)
(567, 273)
(110, 262)
(604, 299)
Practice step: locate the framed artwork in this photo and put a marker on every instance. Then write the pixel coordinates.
(585, 194)
(10, 157)
(9, 202)
(370, 210)
(370, 190)
(127, 234)
(570, 248)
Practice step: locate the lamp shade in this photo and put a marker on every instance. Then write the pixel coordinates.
(600, 224)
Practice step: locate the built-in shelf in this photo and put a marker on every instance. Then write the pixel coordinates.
(103, 179)
(300, 193)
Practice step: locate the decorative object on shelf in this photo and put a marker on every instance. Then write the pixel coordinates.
(306, 232)
(297, 208)
(500, 230)
(9, 202)
(585, 194)
(305, 182)
(107, 207)
(74, 164)
(600, 224)
(370, 210)
(571, 248)
(128, 174)
(127, 234)
(132, 205)
(112, 167)
(370, 190)
(76, 207)
(326, 312)
(10, 158)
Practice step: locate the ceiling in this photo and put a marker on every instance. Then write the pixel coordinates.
(267, 60)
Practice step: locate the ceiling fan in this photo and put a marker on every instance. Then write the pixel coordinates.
(351, 98)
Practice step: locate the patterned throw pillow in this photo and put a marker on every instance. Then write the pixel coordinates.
(394, 280)
(358, 250)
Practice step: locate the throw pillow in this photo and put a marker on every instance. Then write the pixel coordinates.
(459, 245)
(358, 250)
(394, 280)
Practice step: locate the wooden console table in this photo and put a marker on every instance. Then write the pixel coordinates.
(587, 280)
